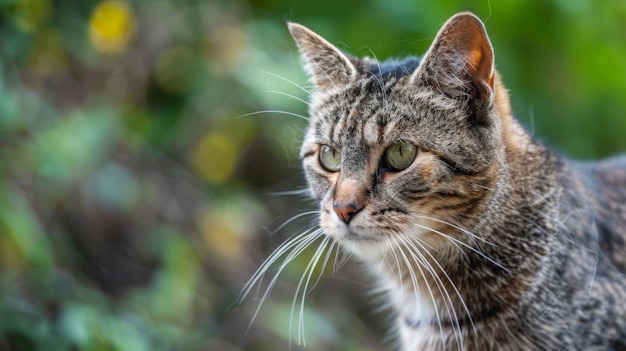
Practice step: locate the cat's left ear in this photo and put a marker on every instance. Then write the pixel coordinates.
(326, 64)
(460, 61)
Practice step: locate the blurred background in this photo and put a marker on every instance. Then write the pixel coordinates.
(145, 166)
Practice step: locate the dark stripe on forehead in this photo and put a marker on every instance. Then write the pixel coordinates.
(332, 128)
(381, 129)
(345, 110)
(354, 124)
(335, 130)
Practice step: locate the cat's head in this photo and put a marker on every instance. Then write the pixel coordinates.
(403, 149)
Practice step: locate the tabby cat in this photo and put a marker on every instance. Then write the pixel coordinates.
(483, 238)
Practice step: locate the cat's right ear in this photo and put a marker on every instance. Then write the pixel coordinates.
(460, 61)
(326, 64)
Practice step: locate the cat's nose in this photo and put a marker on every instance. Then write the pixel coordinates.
(346, 212)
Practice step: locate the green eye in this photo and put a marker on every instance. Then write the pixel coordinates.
(400, 156)
(330, 158)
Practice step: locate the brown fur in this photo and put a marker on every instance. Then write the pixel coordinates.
(488, 240)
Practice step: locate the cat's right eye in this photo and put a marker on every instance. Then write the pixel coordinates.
(330, 158)
(400, 156)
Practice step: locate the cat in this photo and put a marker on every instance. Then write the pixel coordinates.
(482, 237)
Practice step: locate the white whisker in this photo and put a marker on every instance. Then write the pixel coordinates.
(379, 80)
(272, 111)
(301, 192)
(333, 245)
(288, 95)
(398, 265)
(457, 242)
(456, 291)
(419, 260)
(305, 279)
(303, 214)
(458, 227)
(340, 261)
(295, 247)
(286, 80)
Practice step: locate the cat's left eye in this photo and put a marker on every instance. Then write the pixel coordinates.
(330, 158)
(400, 156)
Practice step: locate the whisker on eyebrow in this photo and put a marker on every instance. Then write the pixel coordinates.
(286, 80)
(272, 111)
(288, 95)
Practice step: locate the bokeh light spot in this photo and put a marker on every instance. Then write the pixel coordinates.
(174, 69)
(215, 157)
(111, 26)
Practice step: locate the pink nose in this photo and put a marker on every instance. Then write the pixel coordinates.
(346, 212)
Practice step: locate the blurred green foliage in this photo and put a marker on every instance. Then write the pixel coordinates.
(138, 147)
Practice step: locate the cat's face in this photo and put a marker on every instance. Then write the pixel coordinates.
(402, 151)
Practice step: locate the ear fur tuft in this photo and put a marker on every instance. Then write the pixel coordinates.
(461, 57)
(326, 64)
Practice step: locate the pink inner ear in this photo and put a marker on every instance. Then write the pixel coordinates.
(477, 66)
(475, 55)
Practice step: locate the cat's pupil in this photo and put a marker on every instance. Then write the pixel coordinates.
(400, 156)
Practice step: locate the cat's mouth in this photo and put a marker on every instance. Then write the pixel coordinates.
(363, 235)
(351, 232)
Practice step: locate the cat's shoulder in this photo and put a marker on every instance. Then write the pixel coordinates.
(608, 172)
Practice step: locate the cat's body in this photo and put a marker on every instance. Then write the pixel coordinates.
(483, 237)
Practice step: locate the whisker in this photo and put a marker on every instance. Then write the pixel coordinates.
(300, 192)
(397, 261)
(303, 214)
(464, 305)
(379, 80)
(332, 247)
(457, 242)
(308, 272)
(295, 246)
(308, 92)
(287, 245)
(457, 226)
(316, 259)
(273, 111)
(420, 261)
(340, 261)
(288, 95)
(286, 80)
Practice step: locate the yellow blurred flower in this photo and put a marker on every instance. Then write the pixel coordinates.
(215, 157)
(111, 26)
(218, 153)
(223, 230)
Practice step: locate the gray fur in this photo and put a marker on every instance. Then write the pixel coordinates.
(489, 240)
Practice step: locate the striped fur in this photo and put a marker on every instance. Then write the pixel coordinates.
(488, 240)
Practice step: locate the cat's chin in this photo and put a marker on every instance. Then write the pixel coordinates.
(364, 248)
